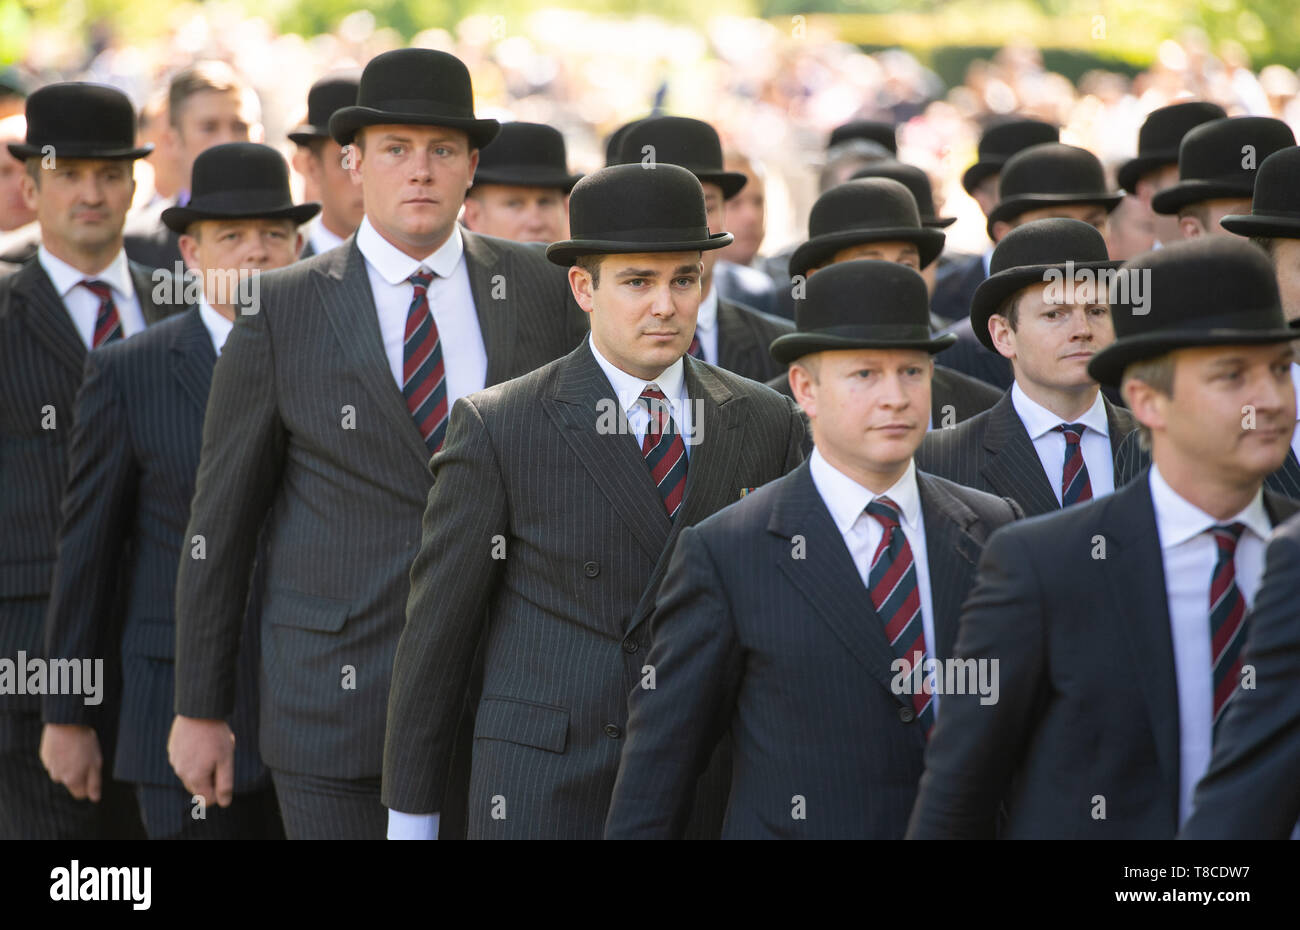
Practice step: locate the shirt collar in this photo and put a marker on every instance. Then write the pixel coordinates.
(629, 387)
(217, 325)
(395, 266)
(708, 316)
(322, 240)
(1178, 520)
(846, 499)
(1039, 421)
(64, 277)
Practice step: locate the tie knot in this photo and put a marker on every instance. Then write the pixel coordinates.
(1073, 431)
(1227, 536)
(98, 288)
(421, 279)
(884, 510)
(652, 392)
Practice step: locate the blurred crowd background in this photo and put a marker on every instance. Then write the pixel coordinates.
(773, 85)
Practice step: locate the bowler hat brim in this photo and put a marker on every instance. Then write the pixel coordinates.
(977, 173)
(306, 134)
(1132, 170)
(23, 151)
(787, 348)
(1009, 209)
(345, 122)
(730, 181)
(1172, 199)
(937, 222)
(1107, 366)
(996, 288)
(565, 251)
(178, 219)
(1262, 224)
(818, 249)
(526, 176)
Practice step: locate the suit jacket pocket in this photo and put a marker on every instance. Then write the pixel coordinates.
(541, 726)
(283, 607)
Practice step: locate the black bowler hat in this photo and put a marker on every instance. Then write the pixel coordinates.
(1025, 256)
(1207, 291)
(1210, 157)
(861, 304)
(1275, 210)
(872, 130)
(865, 210)
(636, 208)
(525, 155)
(239, 180)
(1160, 136)
(1002, 140)
(615, 141)
(915, 180)
(679, 140)
(1050, 175)
(328, 95)
(417, 87)
(79, 120)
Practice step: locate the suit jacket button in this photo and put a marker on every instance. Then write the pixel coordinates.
(613, 731)
(591, 569)
(906, 714)
(629, 646)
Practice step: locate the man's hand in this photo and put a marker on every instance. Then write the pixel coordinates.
(202, 753)
(70, 753)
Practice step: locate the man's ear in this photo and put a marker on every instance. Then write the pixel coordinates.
(1145, 403)
(189, 247)
(1191, 227)
(472, 213)
(1000, 229)
(29, 191)
(1003, 337)
(580, 284)
(803, 388)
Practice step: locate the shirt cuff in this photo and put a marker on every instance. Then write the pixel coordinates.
(412, 826)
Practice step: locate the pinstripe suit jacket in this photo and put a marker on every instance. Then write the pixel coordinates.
(307, 430)
(790, 655)
(1132, 460)
(993, 452)
(582, 543)
(134, 453)
(743, 339)
(42, 359)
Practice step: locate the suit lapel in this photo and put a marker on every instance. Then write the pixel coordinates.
(828, 578)
(951, 556)
(490, 270)
(1118, 423)
(1134, 571)
(582, 398)
(735, 351)
(1286, 480)
(344, 291)
(47, 317)
(1280, 507)
(192, 358)
(1013, 467)
(142, 280)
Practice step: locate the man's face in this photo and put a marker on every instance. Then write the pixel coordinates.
(1286, 261)
(986, 193)
(746, 218)
(522, 214)
(14, 211)
(1153, 182)
(211, 118)
(1230, 416)
(643, 313)
(342, 203)
(414, 179)
(81, 203)
(902, 253)
(1091, 213)
(1052, 342)
(1132, 229)
(1215, 210)
(715, 208)
(240, 245)
(869, 408)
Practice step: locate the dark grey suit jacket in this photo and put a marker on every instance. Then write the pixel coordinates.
(1088, 696)
(744, 336)
(307, 430)
(545, 533)
(788, 655)
(42, 359)
(955, 288)
(1132, 460)
(1252, 788)
(993, 452)
(744, 285)
(149, 241)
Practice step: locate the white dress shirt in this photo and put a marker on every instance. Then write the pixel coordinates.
(1295, 383)
(1049, 442)
(82, 305)
(706, 326)
(321, 239)
(1189, 555)
(847, 502)
(218, 326)
(450, 301)
(627, 388)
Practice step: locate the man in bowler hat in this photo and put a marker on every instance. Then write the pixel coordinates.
(321, 162)
(802, 623)
(134, 453)
(1117, 625)
(556, 505)
(521, 186)
(1051, 440)
(79, 292)
(331, 396)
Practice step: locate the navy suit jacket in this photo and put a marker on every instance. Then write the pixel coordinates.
(1132, 460)
(764, 630)
(955, 287)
